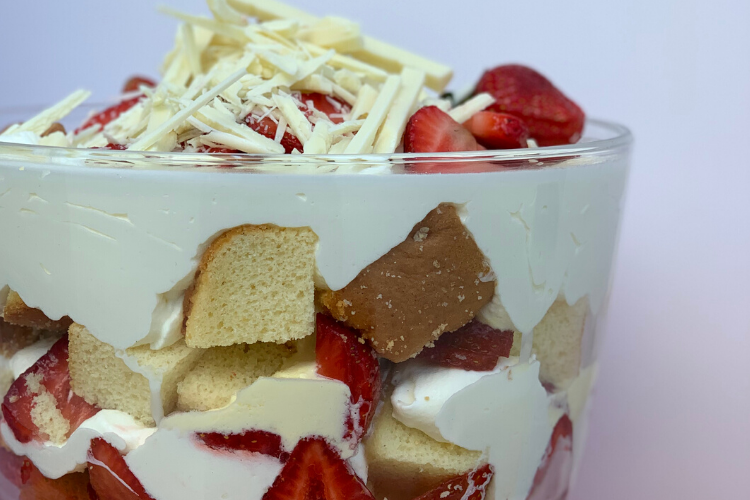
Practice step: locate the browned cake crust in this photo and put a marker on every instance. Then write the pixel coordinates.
(429, 284)
(13, 338)
(16, 312)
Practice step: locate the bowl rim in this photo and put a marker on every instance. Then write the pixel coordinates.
(620, 137)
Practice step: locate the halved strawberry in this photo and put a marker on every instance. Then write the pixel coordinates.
(498, 130)
(331, 106)
(432, 130)
(135, 82)
(469, 486)
(340, 355)
(11, 466)
(251, 441)
(475, 347)
(553, 475)
(110, 114)
(110, 476)
(49, 375)
(551, 117)
(36, 486)
(314, 471)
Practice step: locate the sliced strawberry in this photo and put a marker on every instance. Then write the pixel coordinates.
(206, 149)
(114, 147)
(553, 475)
(135, 83)
(110, 476)
(431, 130)
(475, 347)
(48, 375)
(498, 130)
(110, 114)
(340, 355)
(251, 441)
(331, 106)
(334, 108)
(316, 472)
(469, 486)
(551, 117)
(267, 127)
(11, 466)
(36, 486)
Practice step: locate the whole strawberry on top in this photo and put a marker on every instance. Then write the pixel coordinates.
(551, 117)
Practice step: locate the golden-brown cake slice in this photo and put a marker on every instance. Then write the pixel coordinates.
(558, 342)
(253, 284)
(139, 381)
(16, 312)
(436, 281)
(404, 463)
(222, 371)
(13, 338)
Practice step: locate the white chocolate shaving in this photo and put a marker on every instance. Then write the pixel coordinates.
(471, 107)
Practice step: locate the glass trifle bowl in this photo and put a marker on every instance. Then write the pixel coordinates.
(202, 329)
(296, 268)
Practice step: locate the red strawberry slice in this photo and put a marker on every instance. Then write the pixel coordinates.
(475, 347)
(331, 106)
(334, 108)
(110, 114)
(114, 147)
(553, 475)
(498, 130)
(49, 375)
(111, 477)
(340, 355)
(135, 82)
(36, 486)
(431, 130)
(267, 127)
(316, 472)
(251, 441)
(551, 117)
(10, 466)
(206, 149)
(469, 486)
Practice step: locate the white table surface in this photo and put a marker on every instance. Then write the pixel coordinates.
(672, 412)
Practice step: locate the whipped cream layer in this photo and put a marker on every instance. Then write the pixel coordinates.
(504, 413)
(26, 357)
(172, 465)
(293, 408)
(421, 390)
(114, 249)
(54, 461)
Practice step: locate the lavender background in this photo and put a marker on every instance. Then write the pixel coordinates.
(672, 412)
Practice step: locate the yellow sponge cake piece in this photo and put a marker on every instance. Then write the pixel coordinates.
(138, 381)
(405, 463)
(223, 371)
(253, 284)
(558, 342)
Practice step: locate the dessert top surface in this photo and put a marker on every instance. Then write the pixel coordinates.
(265, 82)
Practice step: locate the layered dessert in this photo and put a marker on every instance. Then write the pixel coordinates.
(297, 268)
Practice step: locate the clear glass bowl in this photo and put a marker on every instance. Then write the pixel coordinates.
(184, 310)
